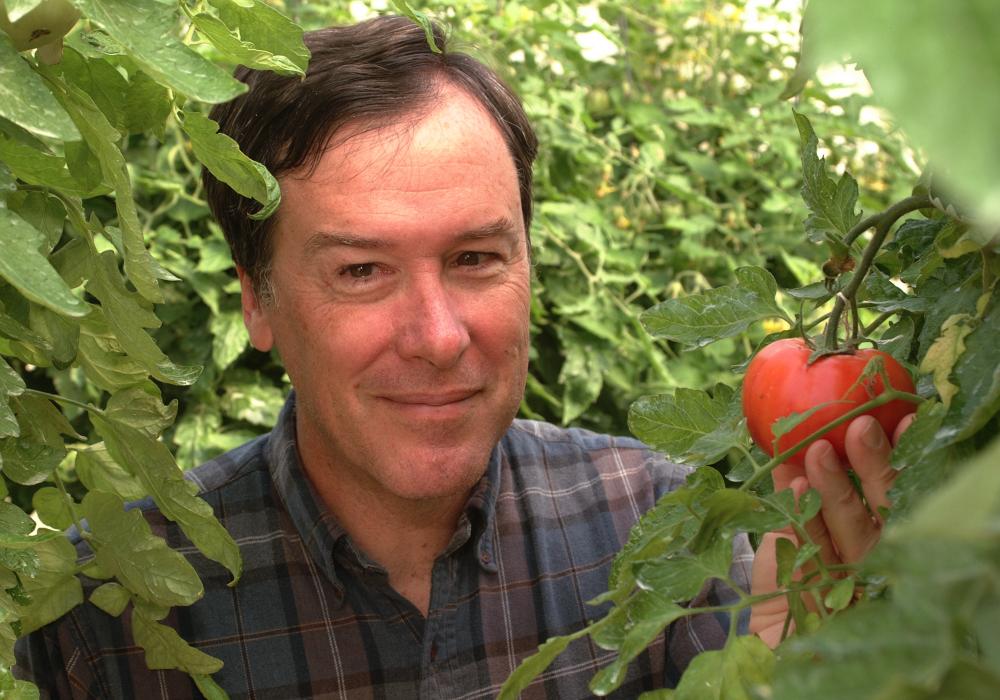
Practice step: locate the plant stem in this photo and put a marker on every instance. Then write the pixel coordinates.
(885, 397)
(62, 399)
(883, 224)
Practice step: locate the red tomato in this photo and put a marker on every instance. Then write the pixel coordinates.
(779, 382)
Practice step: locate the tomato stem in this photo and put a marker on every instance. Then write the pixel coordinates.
(883, 224)
(64, 400)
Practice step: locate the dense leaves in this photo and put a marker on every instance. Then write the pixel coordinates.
(78, 308)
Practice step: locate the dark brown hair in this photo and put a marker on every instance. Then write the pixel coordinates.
(372, 73)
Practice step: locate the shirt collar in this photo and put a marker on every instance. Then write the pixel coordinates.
(322, 533)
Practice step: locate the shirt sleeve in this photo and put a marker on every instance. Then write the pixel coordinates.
(40, 660)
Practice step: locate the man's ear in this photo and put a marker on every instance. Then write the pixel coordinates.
(255, 316)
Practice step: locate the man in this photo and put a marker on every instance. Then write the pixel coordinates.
(402, 538)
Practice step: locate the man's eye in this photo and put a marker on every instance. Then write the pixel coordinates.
(360, 271)
(471, 259)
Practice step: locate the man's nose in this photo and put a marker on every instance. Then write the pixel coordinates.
(433, 328)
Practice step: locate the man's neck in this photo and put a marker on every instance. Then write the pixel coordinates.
(405, 536)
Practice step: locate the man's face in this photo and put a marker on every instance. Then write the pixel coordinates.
(402, 291)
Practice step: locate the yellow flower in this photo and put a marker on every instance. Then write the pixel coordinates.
(775, 325)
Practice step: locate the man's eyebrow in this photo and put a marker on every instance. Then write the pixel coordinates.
(502, 227)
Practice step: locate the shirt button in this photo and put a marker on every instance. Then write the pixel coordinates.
(434, 650)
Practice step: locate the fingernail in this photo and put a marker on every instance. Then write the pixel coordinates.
(828, 458)
(873, 436)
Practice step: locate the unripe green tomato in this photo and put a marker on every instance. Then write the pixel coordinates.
(45, 24)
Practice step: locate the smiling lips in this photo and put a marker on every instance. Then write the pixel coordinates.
(434, 399)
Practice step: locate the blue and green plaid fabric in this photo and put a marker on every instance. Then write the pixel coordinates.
(313, 617)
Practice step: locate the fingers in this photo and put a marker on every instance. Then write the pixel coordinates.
(816, 528)
(767, 618)
(784, 474)
(850, 526)
(868, 451)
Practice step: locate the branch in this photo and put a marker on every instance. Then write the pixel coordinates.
(883, 224)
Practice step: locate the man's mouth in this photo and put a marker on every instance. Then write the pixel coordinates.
(431, 398)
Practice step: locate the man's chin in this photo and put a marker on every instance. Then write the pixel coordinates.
(439, 473)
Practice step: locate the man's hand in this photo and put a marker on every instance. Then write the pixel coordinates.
(846, 528)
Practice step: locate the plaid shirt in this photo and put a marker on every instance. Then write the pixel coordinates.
(313, 617)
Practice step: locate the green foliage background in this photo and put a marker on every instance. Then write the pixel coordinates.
(669, 177)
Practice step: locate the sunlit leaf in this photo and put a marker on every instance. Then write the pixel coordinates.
(704, 318)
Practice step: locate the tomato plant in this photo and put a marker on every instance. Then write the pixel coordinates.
(781, 381)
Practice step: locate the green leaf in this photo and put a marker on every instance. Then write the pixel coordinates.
(741, 670)
(11, 384)
(690, 427)
(221, 155)
(730, 510)
(533, 665)
(125, 547)
(99, 472)
(257, 36)
(165, 648)
(965, 507)
(12, 328)
(405, 8)
(111, 597)
(704, 318)
(147, 105)
(255, 402)
(924, 464)
(949, 47)
(61, 335)
(945, 351)
(832, 205)
(582, 378)
(52, 507)
(147, 33)
(127, 315)
(28, 462)
(44, 211)
(54, 590)
(229, 338)
(665, 526)
(99, 79)
(36, 167)
(680, 576)
(193, 433)
(26, 101)
(863, 653)
(42, 421)
(209, 688)
(840, 596)
(650, 613)
(141, 408)
(977, 375)
(102, 139)
(14, 521)
(785, 556)
(154, 466)
(29, 271)
(102, 358)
